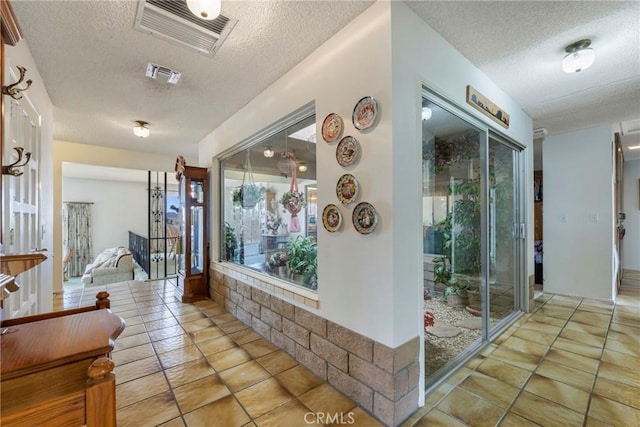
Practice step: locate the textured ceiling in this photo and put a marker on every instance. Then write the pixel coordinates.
(93, 62)
(520, 44)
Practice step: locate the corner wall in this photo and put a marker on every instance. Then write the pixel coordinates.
(421, 57)
(578, 213)
(354, 289)
(370, 287)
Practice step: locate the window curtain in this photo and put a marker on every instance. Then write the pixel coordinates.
(77, 236)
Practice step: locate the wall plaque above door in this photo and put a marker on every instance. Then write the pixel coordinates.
(482, 104)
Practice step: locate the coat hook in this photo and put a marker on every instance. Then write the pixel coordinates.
(12, 90)
(12, 169)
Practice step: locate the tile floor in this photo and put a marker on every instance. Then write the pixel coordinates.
(572, 362)
(197, 365)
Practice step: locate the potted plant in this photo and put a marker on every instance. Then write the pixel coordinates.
(310, 275)
(441, 270)
(293, 202)
(278, 262)
(302, 260)
(247, 195)
(230, 242)
(456, 293)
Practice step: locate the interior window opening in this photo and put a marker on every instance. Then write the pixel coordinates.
(269, 202)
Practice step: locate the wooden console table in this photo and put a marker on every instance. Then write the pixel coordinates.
(56, 370)
(10, 267)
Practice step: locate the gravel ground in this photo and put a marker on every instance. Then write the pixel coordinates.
(439, 351)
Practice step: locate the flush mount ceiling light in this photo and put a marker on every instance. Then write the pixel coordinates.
(205, 9)
(426, 113)
(140, 129)
(268, 152)
(579, 56)
(302, 166)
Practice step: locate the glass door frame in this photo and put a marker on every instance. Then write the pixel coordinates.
(520, 252)
(520, 237)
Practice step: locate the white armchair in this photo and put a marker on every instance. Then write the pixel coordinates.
(111, 266)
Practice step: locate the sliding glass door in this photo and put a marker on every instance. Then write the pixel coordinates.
(472, 234)
(506, 230)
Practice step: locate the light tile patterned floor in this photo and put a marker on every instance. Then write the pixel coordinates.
(572, 362)
(197, 365)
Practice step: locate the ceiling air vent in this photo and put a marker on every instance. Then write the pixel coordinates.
(174, 22)
(155, 71)
(540, 133)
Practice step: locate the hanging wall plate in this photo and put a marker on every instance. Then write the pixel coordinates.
(365, 218)
(347, 151)
(331, 218)
(332, 127)
(347, 189)
(365, 113)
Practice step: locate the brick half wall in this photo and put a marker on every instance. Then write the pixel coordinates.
(381, 380)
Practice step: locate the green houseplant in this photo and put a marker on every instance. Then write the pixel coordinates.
(302, 253)
(230, 242)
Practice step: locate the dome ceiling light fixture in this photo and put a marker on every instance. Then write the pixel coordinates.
(140, 129)
(268, 152)
(579, 56)
(426, 113)
(205, 9)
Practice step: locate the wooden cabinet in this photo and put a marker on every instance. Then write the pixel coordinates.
(537, 205)
(192, 254)
(537, 220)
(56, 370)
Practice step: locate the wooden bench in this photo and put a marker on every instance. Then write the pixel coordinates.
(55, 368)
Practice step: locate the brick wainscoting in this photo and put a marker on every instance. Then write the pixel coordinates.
(382, 380)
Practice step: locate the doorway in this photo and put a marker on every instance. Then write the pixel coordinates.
(473, 235)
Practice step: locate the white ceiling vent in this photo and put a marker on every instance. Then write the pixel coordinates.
(174, 22)
(630, 127)
(155, 71)
(540, 133)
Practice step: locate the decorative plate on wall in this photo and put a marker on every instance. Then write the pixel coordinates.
(331, 218)
(347, 151)
(364, 113)
(347, 188)
(332, 127)
(364, 217)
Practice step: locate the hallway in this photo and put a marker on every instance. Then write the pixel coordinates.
(571, 362)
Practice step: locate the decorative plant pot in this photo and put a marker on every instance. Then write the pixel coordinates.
(475, 300)
(455, 300)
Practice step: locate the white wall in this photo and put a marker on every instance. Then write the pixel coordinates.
(118, 207)
(421, 57)
(370, 284)
(578, 213)
(39, 98)
(631, 207)
(356, 281)
(100, 156)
